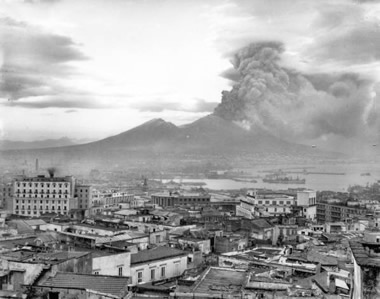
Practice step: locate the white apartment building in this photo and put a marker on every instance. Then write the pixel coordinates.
(110, 198)
(265, 205)
(306, 198)
(33, 196)
(307, 201)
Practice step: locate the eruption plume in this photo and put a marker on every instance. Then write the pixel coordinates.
(291, 105)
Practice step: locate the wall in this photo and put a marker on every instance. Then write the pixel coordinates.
(170, 269)
(306, 198)
(82, 264)
(53, 227)
(232, 262)
(158, 237)
(31, 270)
(203, 245)
(242, 211)
(109, 265)
(228, 244)
(65, 293)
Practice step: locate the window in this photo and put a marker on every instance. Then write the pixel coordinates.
(152, 274)
(96, 273)
(139, 277)
(120, 269)
(162, 271)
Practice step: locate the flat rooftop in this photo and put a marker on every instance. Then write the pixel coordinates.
(221, 281)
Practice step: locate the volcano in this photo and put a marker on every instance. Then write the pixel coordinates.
(208, 138)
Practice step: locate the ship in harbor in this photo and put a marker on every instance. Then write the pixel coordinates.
(282, 178)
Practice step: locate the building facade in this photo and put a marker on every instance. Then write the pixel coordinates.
(178, 199)
(334, 213)
(84, 195)
(157, 264)
(265, 205)
(33, 196)
(306, 198)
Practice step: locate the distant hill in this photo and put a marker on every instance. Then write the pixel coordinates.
(158, 141)
(17, 145)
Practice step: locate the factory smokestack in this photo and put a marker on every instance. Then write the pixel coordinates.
(51, 171)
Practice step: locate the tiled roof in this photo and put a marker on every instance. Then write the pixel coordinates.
(362, 256)
(261, 223)
(157, 253)
(33, 222)
(321, 279)
(113, 285)
(22, 227)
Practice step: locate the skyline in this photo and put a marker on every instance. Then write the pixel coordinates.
(96, 74)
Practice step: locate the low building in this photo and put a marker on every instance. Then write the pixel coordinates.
(202, 244)
(155, 264)
(83, 286)
(255, 204)
(230, 242)
(112, 264)
(180, 199)
(25, 267)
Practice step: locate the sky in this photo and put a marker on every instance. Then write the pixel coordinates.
(87, 69)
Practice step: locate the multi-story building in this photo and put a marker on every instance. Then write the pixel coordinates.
(306, 198)
(84, 195)
(110, 198)
(5, 194)
(265, 205)
(33, 196)
(335, 213)
(178, 199)
(306, 202)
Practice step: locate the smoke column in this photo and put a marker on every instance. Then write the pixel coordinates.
(291, 105)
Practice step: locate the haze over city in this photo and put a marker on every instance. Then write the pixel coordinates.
(304, 71)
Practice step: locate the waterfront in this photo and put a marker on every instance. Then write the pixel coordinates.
(352, 176)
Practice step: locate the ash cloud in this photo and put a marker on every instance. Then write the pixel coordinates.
(291, 105)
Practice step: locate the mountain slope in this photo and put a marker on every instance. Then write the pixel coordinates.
(210, 137)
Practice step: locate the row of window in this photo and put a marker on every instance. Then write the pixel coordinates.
(41, 201)
(41, 207)
(42, 196)
(152, 274)
(66, 185)
(42, 191)
(22, 212)
(274, 202)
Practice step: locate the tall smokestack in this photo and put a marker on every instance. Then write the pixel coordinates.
(36, 165)
(51, 171)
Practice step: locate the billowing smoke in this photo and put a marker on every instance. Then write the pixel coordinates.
(51, 171)
(292, 105)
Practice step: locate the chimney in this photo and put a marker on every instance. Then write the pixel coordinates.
(51, 171)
